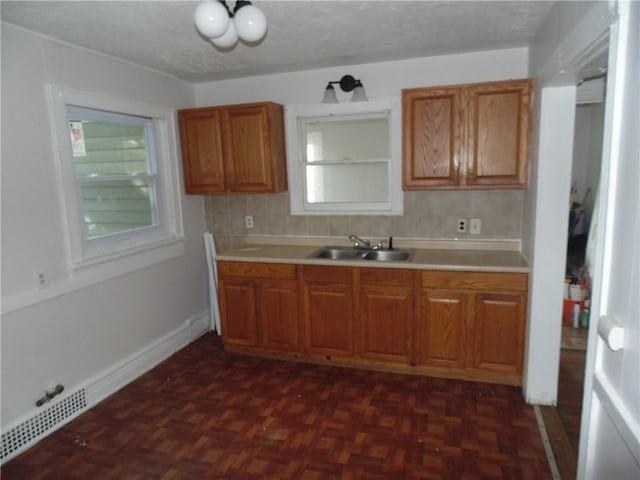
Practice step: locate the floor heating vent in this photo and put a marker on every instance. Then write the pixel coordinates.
(42, 423)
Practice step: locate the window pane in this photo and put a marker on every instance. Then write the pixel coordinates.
(117, 206)
(362, 182)
(106, 148)
(343, 140)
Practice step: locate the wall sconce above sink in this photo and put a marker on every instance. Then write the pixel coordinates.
(347, 84)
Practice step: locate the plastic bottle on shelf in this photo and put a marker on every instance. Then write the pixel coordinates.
(575, 315)
(584, 317)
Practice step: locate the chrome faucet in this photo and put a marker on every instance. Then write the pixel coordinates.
(357, 241)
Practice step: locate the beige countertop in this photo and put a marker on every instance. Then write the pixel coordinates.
(483, 257)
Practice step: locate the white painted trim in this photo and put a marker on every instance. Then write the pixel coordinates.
(295, 169)
(573, 52)
(98, 273)
(82, 253)
(124, 372)
(620, 416)
(112, 379)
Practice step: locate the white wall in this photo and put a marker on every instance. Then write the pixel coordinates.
(569, 38)
(587, 152)
(381, 80)
(72, 337)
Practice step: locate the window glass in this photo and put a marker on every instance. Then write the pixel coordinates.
(114, 166)
(347, 140)
(345, 158)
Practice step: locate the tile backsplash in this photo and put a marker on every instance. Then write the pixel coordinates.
(430, 215)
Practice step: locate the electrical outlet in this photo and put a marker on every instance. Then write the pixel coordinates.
(462, 225)
(475, 226)
(41, 279)
(248, 221)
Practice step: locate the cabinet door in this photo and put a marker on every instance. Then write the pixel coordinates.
(498, 339)
(328, 317)
(432, 137)
(442, 328)
(248, 148)
(385, 323)
(497, 151)
(202, 151)
(238, 312)
(278, 316)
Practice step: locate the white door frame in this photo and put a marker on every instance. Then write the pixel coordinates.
(551, 181)
(610, 425)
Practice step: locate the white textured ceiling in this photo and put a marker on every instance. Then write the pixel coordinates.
(301, 34)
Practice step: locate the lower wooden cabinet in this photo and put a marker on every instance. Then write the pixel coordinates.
(473, 322)
(385, 320)
(259, 305)
(442, 328)
(328, 310)
(277, 315)
(454, 324)
(498, 336)
(238, 311)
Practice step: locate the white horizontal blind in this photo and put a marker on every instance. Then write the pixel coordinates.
(115, 169)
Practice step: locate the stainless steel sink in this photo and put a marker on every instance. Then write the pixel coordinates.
(337, 253)
(387, 255)
(350, 253)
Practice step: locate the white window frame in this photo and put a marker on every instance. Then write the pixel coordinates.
(168, 231)
(296, 115)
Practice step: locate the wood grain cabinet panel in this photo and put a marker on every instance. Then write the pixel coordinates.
(234, 149)
(328, 316)
(466, 136)
(385, 323)
(238, 311)
(498, 137)
(443, 328)
(433, 135)
(202, 151)
(278, 315)
(498, 339)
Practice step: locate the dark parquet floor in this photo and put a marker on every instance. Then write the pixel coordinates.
(563, 421)
(207, 414)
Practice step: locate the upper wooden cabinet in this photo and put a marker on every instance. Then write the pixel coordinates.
(466, 136)
(234, 149)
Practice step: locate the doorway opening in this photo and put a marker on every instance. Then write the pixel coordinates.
(563, 420)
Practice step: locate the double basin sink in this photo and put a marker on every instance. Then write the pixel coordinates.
(353, 253)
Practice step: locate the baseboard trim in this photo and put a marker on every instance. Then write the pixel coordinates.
(112, 379)
(124, 372)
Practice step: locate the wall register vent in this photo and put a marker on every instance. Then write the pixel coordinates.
(29, 431)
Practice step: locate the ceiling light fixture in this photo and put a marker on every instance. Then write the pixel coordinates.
(215, 20)
(347, 84)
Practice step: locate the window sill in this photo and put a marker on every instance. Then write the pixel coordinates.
(99, 270)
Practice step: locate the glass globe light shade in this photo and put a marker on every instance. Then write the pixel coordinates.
(211, 19)
(358, 93)
(251, 23)
(228, 38)
(330, 95)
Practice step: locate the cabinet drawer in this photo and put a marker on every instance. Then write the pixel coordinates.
(314, 273)
(510, 282)
(257, 270)
(386, 276)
